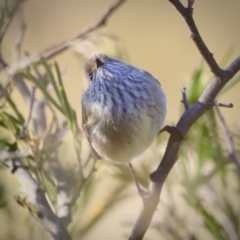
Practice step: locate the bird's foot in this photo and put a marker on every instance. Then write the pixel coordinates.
(142, 193)
(173, 131)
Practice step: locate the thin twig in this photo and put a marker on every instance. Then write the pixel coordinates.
(88, 159)
(26, 123)
(21, 31)
(4, 92)
(231, 150)
(190, 4)
(21, 27)
(3, 64)
(39, 118)
(184, 99)
(9, 17)
(59, 48)
(81, 184)
(217, 104)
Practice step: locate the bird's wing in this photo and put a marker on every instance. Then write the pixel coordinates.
(87, 131)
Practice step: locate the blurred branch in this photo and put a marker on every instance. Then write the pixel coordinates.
(21, 85)
(26, 123)
(38, 112)
(21, 31)
(221, 77)
(54, 223)
(3, 64)
(7, 14)
(4, 92)
(36, 195)
(39, 117)
(63, 190)
(231, 150)
(59, 48)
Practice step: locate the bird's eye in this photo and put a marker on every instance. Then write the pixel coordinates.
(91, 76)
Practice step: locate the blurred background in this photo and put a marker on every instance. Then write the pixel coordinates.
(150, 35)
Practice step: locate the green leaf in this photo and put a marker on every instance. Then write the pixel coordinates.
(63, 96)
(9, 122)
(30, 77)
(233, 215)
(51, 79)
(3, 203)
(213, 225)
(11, 146)
(7, 12)
(11, 103)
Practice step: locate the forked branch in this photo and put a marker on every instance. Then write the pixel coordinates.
(220, 78)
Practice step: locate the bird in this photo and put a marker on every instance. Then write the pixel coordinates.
(123, 109)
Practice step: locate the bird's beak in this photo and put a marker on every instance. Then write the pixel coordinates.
(99, 62)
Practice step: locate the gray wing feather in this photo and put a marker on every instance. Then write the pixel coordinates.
(87, 131)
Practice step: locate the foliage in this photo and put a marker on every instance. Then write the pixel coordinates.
(35, 150)
(206, 177)
(208, 180)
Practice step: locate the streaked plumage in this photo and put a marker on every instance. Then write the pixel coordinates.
(123, 108)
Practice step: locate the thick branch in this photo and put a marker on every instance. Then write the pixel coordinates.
(232, 69)
(171, 154)
(221, 77)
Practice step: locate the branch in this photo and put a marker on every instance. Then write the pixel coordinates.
(63, 190)
(195, 35)
(64, 200)
(232, 69)
(36, 195)
(231, 150)
(21, 85)
(26, 123)
(3, 64)
(59, 48)
(21, 31)
(184, 100)
(38, 113)
(217, 104)
(221, 77)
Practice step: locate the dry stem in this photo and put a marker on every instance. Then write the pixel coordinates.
(221, 77)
